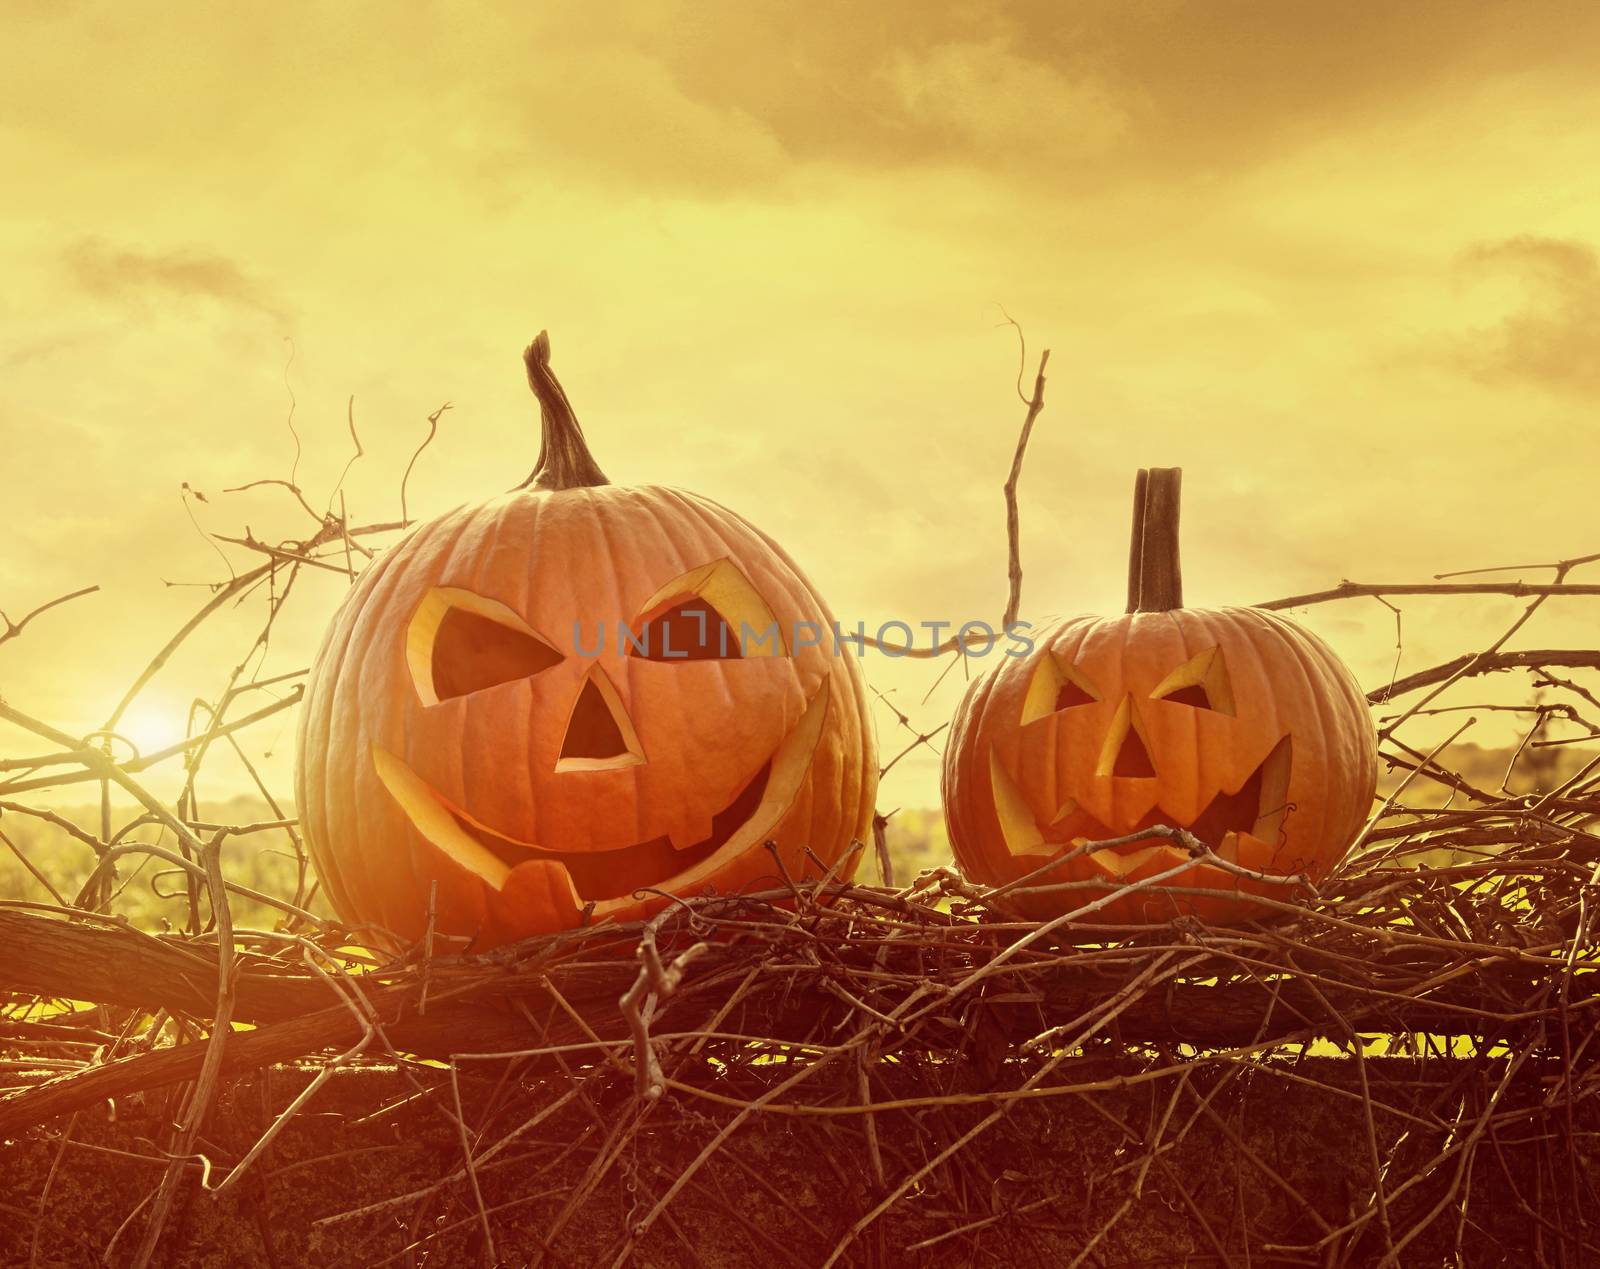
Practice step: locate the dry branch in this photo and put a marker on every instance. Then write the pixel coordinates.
(14, 628)
(1477, 663)
(1354, 590)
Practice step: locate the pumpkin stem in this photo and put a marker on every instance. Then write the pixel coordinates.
(1155, 576)
(564, 458)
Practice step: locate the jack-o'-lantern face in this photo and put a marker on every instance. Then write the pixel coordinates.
(1234, 724)
(565, 703)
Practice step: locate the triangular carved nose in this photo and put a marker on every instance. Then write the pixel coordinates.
(1133, 759)
(599, 734)
(1123, 753)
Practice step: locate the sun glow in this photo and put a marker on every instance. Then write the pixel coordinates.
(149, 727)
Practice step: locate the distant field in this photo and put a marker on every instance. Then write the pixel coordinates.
(151, 891)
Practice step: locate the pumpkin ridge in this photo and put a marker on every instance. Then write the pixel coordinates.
(1203, 763)
(679, 565)
(1332, 673)
(345, 646)
(1326, 756)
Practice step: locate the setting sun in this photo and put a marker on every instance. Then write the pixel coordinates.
(150, 726)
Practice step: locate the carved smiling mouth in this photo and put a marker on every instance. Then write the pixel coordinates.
(608, 878)
(1244, 824)
(613, 874)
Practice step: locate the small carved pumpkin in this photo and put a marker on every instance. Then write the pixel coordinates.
(1234, 724)
(570, 701)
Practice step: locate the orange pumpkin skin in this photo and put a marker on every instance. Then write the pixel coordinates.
(1111, 725)
(429, 768)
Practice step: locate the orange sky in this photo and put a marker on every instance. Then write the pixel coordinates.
(1337, 261)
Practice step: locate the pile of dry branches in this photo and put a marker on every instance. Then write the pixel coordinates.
(912, 1050)
(1399, 1068)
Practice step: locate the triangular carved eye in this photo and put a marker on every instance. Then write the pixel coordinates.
(1071, 694)
(711, 613)
(460, 642)
(1201, 682)
(472, 652)
(688, 630)
(1056, 685)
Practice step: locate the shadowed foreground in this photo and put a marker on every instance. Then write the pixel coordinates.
(1151, 1173)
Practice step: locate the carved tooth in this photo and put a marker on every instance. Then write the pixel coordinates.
(1066, 809)
(1123, 864)
(543, 886)
(1110, 862)
(1164, 857)
(1253, 853)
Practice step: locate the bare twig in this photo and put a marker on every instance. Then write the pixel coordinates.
(1353, 590)
(15, 628)
(1013, 543)
(433, 430)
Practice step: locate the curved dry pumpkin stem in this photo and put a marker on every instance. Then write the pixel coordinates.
(1155, 575)
(564, 458)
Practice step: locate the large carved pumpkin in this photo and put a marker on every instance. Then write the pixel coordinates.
(1234, 724)
(571, 700)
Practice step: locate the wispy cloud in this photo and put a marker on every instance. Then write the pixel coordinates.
(181, 273)
(1052, 89)
(1550, 334)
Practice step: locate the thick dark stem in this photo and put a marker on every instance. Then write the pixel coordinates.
(1155, 575)
(564, 458)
